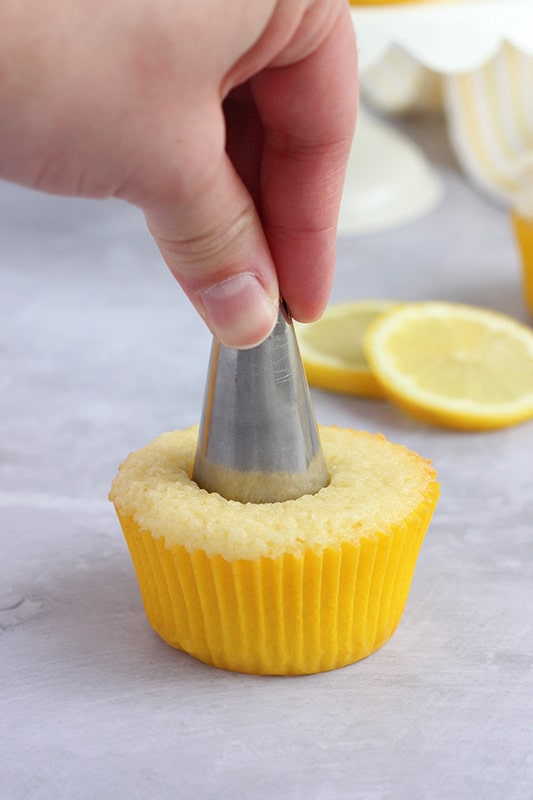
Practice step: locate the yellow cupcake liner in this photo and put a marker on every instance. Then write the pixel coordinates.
(291, 615)
(523, 228)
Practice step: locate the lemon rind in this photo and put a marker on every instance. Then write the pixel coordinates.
(428, 406)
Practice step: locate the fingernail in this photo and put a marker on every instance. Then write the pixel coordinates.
(239, 312)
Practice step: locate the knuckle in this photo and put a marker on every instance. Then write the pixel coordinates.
(207, 245)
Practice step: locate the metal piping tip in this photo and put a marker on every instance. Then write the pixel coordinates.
(258, 440)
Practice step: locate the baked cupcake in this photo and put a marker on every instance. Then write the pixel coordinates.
(522, 219)
(288, 588)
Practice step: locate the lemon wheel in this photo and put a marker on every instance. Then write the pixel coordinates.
(454, 365)
(332, 348)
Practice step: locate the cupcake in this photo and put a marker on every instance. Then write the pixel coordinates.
(295, 587)
(522, 219)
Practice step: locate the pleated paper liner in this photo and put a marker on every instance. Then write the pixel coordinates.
(523, 228)
(291, 615)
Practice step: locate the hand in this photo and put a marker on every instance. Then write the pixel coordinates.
(228, 123)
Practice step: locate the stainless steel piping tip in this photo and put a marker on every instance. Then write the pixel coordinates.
(258, 440)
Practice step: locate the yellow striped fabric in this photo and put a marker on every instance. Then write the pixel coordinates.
(490, 120)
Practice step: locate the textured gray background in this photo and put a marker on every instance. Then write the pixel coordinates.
(100, 352)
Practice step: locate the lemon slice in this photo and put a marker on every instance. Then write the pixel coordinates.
(454, 365)
(332, 348)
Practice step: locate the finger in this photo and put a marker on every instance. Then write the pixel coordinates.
(211, 237)
(244, 138)
(308, 111)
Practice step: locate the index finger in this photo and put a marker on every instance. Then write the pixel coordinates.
(308, 110)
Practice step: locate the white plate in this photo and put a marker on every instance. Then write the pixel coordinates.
(388, 183)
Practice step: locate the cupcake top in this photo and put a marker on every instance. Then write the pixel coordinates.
(374, 486)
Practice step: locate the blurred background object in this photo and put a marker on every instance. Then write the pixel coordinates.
(471, 60)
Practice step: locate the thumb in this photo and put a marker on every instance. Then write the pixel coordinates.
(212, 239)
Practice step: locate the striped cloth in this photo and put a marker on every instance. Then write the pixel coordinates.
(489, 112)
(490, 121)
